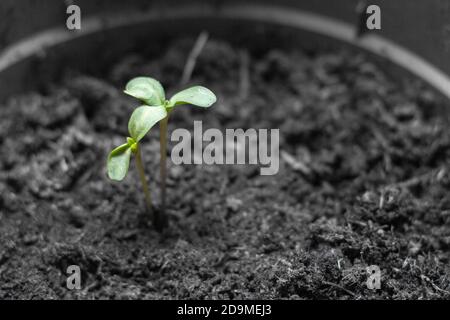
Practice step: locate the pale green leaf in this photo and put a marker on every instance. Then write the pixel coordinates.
(118, 162)
(143, 119)
(146, 89)
(197, 95)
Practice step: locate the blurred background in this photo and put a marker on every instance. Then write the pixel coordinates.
(109, 28)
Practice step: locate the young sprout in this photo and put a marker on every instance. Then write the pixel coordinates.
(141, 121)
(157, 109)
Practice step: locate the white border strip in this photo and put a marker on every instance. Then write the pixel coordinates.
(289, 17)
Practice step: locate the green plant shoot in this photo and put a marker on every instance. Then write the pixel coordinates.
(152, 94)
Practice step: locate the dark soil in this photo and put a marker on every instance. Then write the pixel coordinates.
(364, 180)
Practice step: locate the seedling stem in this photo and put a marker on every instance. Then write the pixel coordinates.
(140, 169)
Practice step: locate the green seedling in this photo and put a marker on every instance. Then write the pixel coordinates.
(156, 109)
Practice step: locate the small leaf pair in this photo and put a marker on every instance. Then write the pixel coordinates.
(151, 92)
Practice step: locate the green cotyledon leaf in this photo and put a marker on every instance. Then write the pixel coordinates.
(119, 162)
(143, 119)
(197, 96)
(146, 89)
